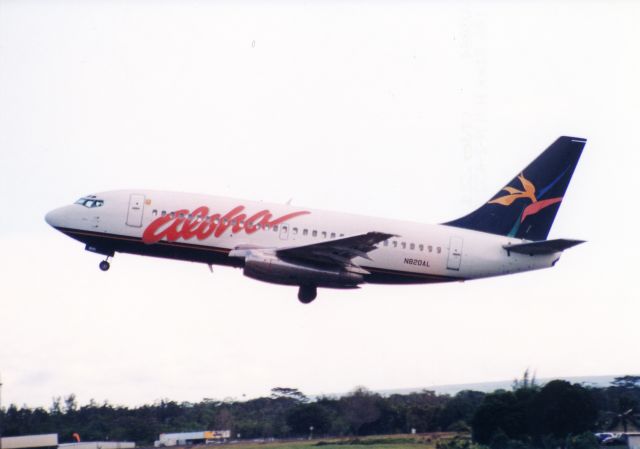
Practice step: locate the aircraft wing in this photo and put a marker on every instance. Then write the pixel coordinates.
(339, 252)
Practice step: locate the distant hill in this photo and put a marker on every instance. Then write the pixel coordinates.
(487, 387)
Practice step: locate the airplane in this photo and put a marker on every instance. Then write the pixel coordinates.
(311, 249)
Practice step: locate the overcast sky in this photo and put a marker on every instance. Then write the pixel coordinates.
(409, 110)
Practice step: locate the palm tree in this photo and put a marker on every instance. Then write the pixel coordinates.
(624, 419)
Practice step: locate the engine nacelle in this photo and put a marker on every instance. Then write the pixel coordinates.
(270, 268)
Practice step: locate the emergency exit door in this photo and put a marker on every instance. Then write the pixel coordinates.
(136, 208)
(455, 253)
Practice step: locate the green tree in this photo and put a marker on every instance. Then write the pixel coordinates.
(289, 393)
(501, 412)
(70, 404)
(304, 416)
(627, 382)
(359, 408)
(561, 409)
(460, 409)
(527, 381)
(585, 440)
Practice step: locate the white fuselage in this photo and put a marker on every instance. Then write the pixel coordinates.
(140, 222)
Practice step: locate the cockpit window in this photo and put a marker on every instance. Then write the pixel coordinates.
(91, 201)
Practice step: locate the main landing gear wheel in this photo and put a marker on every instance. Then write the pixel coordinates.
(307, 293)
(104, 265)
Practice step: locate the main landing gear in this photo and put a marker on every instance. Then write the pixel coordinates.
(307, 293)
(104, 265)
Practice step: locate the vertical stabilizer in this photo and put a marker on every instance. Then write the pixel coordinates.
(526, 207)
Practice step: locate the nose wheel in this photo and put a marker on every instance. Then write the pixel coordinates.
(104, 265)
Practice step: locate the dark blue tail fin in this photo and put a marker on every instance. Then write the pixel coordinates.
(526, 207)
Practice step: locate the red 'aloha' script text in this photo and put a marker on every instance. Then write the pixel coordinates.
(186, 225)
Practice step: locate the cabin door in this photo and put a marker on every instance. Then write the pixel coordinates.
(136, 208)
(455, 253)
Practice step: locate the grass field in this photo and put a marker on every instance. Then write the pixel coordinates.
(425, 441)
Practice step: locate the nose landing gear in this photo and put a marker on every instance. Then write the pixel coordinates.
(104, 265)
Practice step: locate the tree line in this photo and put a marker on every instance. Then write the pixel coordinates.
(528, 415)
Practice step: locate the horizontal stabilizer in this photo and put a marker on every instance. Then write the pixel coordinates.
(543, 247)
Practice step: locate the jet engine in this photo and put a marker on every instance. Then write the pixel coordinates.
(270, 268)
(265, 265)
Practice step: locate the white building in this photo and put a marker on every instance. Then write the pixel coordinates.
(98, 445)
(203, 437)
(30, 441)
(633, 441)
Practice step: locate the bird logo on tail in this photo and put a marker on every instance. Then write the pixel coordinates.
(528, 191)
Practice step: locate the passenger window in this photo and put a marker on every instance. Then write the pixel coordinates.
(295, 231)
(395, 244)
(155, 212)
(430, 248)
(412, 246)
(164, 212)
(404, 245)
(421, 247)
(341, 235)
(266, 227)
(258, 226)
(275, 228)
(314, 233)
(333, 235)
(386, 243)
(439, 250)
(324, 234)
(305, 232)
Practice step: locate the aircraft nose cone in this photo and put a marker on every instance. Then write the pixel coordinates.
(53, 218)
